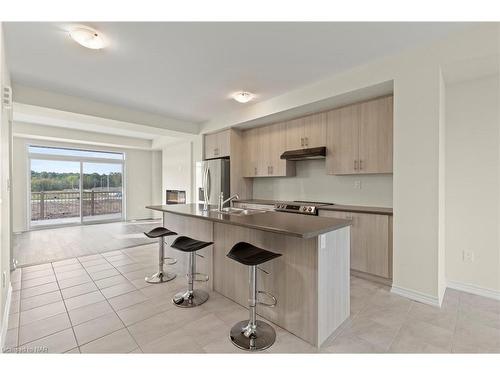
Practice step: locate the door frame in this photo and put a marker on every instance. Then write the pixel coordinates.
(80, 160)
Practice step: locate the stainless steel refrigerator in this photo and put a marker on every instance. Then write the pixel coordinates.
(212, 178)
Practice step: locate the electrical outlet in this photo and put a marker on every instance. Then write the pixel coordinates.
(468, 256)
(357, 184)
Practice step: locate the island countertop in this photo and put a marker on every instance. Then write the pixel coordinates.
(296, 225)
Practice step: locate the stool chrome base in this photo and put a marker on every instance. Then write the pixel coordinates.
(160, 277)
(190, 299)
(259, 338)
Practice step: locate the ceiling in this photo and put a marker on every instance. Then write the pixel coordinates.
(188, 70)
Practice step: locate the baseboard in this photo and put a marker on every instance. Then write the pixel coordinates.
(416, 296)
(375, 279)
(5, 318)
(473, 289)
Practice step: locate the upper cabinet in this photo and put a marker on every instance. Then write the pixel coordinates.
(359, 138)
(263, 147)
(306, 132)
(217, 145)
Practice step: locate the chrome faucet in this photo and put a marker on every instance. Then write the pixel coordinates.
(222, 202)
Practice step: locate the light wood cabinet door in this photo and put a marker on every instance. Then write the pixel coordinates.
(223, 143)
(370, 244)
(277, 142)
(264, 151)
(371, 241)
(315, 130)
(217, 145)
(250, 147)
(342, 134)
(376, 136)
(294, 134)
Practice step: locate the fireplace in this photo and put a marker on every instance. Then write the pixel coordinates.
(176, 197)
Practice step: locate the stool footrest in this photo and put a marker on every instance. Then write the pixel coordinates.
(273, 298)
(169, 261)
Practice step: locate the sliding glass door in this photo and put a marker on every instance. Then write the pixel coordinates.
(55, 192)
(102, 191)
(69, 186)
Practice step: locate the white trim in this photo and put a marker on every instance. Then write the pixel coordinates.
(416, 296)
(473, 289)
(5, 318)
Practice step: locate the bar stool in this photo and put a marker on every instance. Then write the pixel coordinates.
(252, 334)
(161, 276)
(191, 297)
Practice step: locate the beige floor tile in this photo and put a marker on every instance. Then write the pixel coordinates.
(89, 258)
(117, 290)
(99, 267)
(25, 284)
(42, 312)
(376, 334)
(44, 327)
(132, 267)
(207, 329)
(222, 346)
(97, 328)
(390, 315)
(125, 300)
(175, 342)
(40, 289)
(70, 267)
(116, 342)
(78, 290)
(288, 343)
(94, 262)
(73, 351)
(37, 274)
(89, 312)
(40, 300)
(110, 281)
(104, 274)
(143, 310)
(349, 343)
(420, 337)
(36, 268)
(151, 329)
(71, 274)
(471, 333)
(66, 283)
(65, 262)
(122, 261)
(83, 300)
(111, 254)
(444, 317)
(59, 342)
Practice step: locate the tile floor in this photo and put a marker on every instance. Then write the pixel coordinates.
(49, 245)
(101, 304)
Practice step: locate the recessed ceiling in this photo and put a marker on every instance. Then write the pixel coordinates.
(189, 70)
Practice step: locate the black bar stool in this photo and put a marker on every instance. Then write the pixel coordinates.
(190, 297)
(161, 276)
(253, 334)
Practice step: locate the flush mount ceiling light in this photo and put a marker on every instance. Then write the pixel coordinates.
(243, 96)
(87, 37)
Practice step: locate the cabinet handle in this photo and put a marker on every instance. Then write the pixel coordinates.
(255, 171)
(271, 167)
(360, 164)
(307, 141)
(302, 142)
(355, 165)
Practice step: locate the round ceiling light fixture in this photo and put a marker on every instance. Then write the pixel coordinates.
(87, 37)
(243, 96)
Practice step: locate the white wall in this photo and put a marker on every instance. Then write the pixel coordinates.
(472, 182)
(312, 183)
(417, 126)
(5, 193)
(141, 188)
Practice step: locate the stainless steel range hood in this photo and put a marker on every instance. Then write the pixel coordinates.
(305, 154)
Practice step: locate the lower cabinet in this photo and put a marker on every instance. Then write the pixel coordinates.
(371, 242)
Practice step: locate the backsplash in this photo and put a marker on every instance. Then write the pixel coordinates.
(312, 183)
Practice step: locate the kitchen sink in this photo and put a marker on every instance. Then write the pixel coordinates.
(238, 211)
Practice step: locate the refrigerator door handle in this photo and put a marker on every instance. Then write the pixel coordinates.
(209, 183)
(205, 182)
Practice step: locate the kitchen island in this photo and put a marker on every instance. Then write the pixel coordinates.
(310, 280)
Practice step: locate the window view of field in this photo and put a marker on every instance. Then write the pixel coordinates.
(56, 194)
